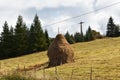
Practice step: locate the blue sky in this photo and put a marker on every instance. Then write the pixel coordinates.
(50, 11)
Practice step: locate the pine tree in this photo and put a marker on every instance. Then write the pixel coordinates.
(69, 38)
(89, 35)
(116, 31)
(12, 41)
(112, 29)
(77, 37)
(47, 39)
(32, 39)
(1, 49)
(5, 41)
(5, 32)
(20, 37)
(72, 38)
(37, 36)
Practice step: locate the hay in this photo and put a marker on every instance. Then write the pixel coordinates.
(60, 52)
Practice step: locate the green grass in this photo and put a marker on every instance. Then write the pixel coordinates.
(15, 77)
(102, 55)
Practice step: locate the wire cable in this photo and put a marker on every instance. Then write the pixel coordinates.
(83, 14)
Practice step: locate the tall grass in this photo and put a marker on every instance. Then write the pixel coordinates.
(102, 55)
(15, 77)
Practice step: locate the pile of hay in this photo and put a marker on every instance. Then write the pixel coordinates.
(60, 52)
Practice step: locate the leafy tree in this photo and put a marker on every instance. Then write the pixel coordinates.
(96, 35)
(89, 35)
(37, 36)
(69, 38)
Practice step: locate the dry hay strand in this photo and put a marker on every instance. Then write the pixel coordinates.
(60, 51)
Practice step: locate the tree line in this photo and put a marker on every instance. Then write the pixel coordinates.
(77, 37)
(113, 30)
(22, 40)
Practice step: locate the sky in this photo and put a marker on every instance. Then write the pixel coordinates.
(52, 11)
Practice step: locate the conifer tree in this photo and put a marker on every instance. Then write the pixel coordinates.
(20, 36)
(69, 38)
(12, 41)
(1, 49)
(116, 31)
(112, 29)
(37, 36)
(89, 35)
(72, 38)
(77, 37)
(47, 39)
(5, 41)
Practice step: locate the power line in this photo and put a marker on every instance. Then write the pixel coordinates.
(83, 14)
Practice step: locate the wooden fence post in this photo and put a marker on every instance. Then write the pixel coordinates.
(44, 73)
(56, 73)
(24, 70)
(18, 66)
(0, 65)
(91, 72)
(71, 75)
(35, 72)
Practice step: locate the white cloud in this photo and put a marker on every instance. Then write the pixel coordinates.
(10, 9)
(63, 26)
(21, 4)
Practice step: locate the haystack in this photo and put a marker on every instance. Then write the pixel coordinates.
(60, 52)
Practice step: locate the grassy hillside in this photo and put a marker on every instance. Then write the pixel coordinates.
(99, 59)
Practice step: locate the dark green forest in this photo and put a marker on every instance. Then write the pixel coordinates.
(21, 40)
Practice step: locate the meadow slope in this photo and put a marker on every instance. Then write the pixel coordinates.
(99, 59)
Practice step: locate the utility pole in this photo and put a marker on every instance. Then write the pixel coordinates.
(82, 38)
